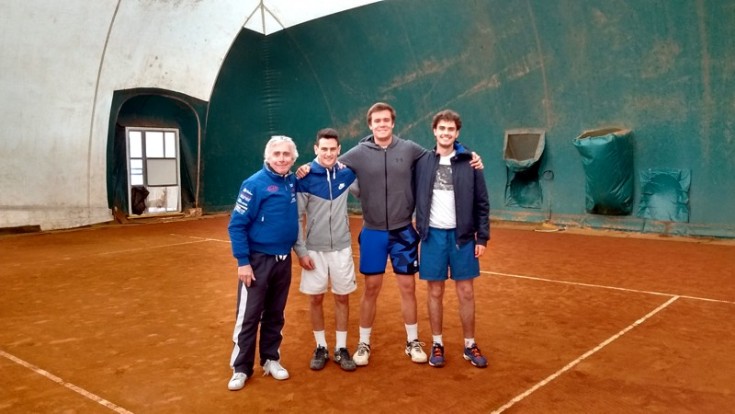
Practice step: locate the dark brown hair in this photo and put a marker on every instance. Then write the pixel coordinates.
(447, 115)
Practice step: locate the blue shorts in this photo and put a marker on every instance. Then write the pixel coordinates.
(402, 245)
(439, 253)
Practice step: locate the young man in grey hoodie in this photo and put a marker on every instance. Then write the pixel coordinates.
(383, 163)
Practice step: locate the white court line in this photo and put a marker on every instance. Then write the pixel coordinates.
(137, 249)
(565, 282)
(570, 365)
(200, 238)
(69, 385)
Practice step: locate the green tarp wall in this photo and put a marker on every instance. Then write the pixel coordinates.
(661, 69)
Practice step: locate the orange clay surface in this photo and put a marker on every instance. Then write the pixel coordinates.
(138, 318)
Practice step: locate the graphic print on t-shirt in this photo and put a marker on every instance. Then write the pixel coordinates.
(443, 180)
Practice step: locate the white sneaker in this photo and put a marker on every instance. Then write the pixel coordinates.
(237, 382)
(414, 350)
(362, 355)
(275, 369)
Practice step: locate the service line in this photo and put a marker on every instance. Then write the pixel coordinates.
(79, 390)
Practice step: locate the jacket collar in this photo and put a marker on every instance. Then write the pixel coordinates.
(460, 150)
(370, 141)
(268, 170)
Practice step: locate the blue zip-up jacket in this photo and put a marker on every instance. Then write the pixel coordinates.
(265, 218)
(471, 201)
(322, 195)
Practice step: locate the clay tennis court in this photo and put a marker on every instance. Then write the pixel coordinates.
(138, 318)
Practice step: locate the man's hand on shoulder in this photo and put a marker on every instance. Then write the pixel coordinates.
(476, 161)
(303, 171)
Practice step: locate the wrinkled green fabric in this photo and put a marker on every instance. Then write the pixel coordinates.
(665, 195)
(522, 150)
(523, 189)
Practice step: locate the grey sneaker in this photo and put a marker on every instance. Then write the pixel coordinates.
(321, 355)
(416, 352)
(362, 355)
(344, 359)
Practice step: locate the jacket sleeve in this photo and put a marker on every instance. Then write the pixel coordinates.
(418, 150)
(355, 189)
(302, 198)
(351, 157)
(245, 212)
(482, 208)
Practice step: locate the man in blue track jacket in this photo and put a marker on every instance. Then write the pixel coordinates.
(263, 228)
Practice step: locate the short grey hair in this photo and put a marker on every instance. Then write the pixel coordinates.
(280, 138)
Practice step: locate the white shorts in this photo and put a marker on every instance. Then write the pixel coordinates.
(336, 267)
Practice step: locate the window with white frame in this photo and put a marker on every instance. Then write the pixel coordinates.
(154, 184)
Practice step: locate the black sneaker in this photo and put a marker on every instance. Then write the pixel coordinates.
(344, 359)
(321, 355)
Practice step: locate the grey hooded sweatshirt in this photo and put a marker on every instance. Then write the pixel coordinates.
(386, 180)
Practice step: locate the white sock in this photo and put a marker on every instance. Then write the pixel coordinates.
(412, 332)
(468, 342)
(365, 334)
(321, 339)
(438, 339)
(341, 340)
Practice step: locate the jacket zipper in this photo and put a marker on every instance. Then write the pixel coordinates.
(385, 172)
(331, 199)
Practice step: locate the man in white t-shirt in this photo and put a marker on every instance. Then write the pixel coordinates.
(452, 219)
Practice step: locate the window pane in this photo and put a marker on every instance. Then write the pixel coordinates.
(163, 199)
(162, 172)
(136, 179)
(170, 145)
(154, 144)
(136, 166)
(136, 149)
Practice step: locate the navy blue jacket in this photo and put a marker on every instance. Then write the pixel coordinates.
(265, 218)
(471, 201)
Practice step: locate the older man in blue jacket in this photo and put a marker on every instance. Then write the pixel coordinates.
(263, 228)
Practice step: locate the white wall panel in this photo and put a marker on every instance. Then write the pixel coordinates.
(54, 136)
(50, 58)
(61, 62)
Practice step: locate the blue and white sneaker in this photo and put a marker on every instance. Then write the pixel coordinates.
(475, 357)
(437, 356)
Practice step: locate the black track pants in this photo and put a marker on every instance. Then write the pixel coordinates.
(263, 304)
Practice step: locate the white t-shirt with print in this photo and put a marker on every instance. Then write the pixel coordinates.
(443, 215)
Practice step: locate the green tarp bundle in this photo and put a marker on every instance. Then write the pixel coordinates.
(607, 158)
